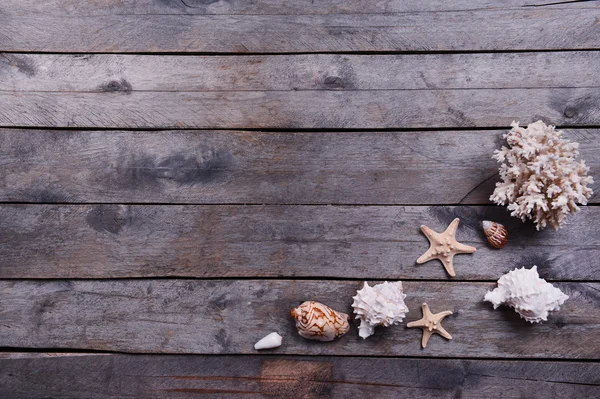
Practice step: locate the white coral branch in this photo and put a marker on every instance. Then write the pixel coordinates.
(541, 178)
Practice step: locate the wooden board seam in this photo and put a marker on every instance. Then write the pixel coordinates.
(91, 352)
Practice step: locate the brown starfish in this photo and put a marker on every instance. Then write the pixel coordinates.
(430, 323)
(443, 246)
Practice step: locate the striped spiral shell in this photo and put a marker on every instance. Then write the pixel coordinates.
(496, 234)
(319, 322)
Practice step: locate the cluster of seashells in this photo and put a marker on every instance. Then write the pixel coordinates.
(532, 297)
(381, 305)
(542, 181)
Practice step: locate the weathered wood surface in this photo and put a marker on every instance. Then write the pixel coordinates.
(119, 107)
(105, 72)
(229, 316)
(62, 375)
(267, 7)
(429, 167)
(527, 28)
(108, 241)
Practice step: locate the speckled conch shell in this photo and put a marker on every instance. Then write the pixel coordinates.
(319, 322)
(531, 296)
(496, 234)
(380, 305)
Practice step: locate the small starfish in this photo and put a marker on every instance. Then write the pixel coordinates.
(443, 246)
(430, 323)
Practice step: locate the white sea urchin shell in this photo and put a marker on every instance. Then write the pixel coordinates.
(380, 305)
(532, 297)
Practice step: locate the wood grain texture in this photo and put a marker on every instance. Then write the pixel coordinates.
(122, 108)
(229, 316)
(106, 72)
(163, 207)
(253, 167)
(266, 7)
(158, 376)
(108, 241)
(527, 28)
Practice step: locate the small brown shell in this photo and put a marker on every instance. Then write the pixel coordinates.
(496, 234)
(319, 322)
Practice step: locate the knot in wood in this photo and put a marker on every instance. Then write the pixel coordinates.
(570, 112)
(333, 82)
(116, 86)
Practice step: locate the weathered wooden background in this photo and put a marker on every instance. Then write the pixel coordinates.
(177, 174)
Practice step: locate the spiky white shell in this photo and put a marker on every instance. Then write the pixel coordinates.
(272, 340)
(380, 305)
(532, 297)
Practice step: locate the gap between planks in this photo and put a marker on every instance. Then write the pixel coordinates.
(250, 204)
(284, 278)
(449, 129)
(265, 53)
(22, 352)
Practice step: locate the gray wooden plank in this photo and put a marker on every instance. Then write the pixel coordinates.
(432, 167)
(108, 241)
(101, 72)
(158, 376)
(454, 108)
(265, 7)
(527, 28)
(229, 316)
